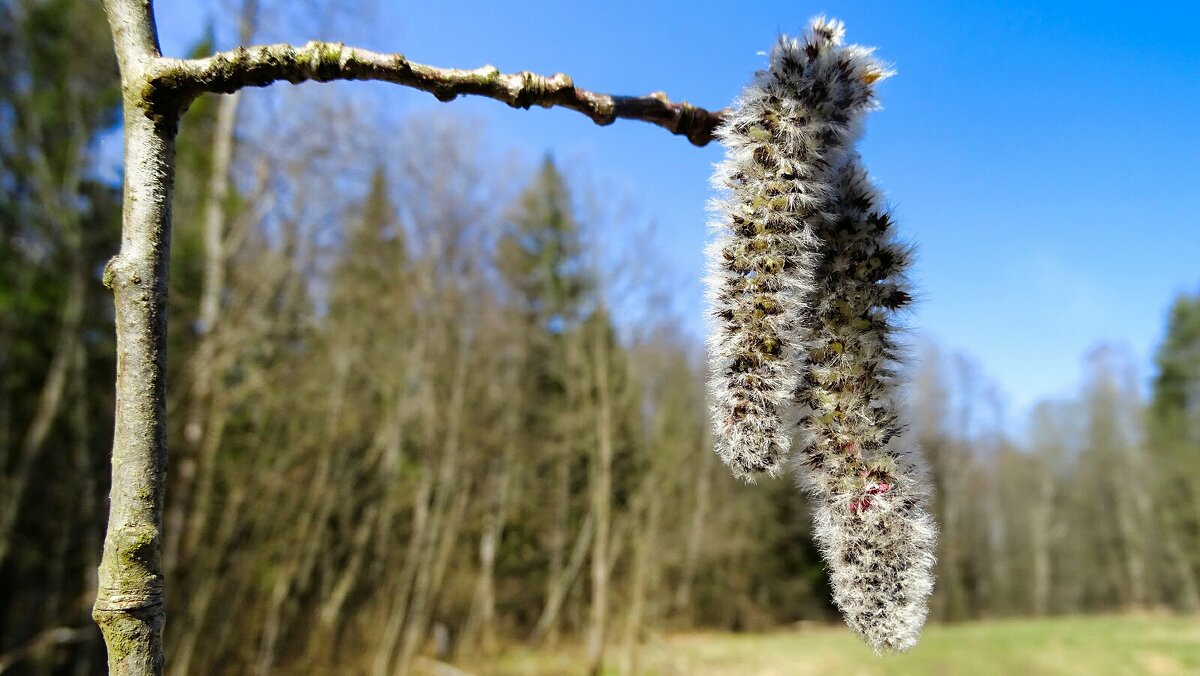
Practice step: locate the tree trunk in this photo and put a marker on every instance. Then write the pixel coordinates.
(52, 195)
(206, 589)
(1131, 527)
(381, 665)
(89, 512)
(641, 573)
(129, 601)
(1042, 516)
(601, 502)
(695, 538)
(1189, 594)
(444, 518)
(480, 625)
(560, 586)
(51, 396)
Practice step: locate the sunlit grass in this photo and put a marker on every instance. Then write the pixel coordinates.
(1064, 645)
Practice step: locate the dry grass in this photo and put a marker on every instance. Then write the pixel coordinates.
(1141, 644)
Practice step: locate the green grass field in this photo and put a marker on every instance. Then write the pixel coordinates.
(1066, 645)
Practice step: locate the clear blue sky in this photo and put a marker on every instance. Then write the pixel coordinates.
(1044, 157)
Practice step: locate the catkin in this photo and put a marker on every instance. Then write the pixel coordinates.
(870, 515)
(790, 128)
(806, 277)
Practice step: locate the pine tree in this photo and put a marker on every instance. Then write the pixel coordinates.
(540, 258)
(1174, 438)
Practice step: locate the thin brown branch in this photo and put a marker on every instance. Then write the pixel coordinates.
(43, 642)
(178, 81)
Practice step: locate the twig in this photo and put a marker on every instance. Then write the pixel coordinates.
(43, 641)
(178, 81)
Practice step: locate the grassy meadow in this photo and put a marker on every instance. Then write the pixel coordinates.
(1066, 645)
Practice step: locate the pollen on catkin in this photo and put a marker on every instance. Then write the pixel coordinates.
(870, 505)
(791, 127)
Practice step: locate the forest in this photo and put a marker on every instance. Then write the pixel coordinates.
(425, 411)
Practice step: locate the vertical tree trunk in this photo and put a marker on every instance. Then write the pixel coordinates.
(53, 196)
(1189, 593)
(51, 397)
(86, 466)
(206, 589)
(558, 538)
(1043, 512)
(129, 601)
(643, 544)
(1133, 548)
(561, 495)
(601, 502)
(313, 513)
(683, 593)
(330, 614)
(479, 629)
(560, 586)
(381, 665)
(445, 515)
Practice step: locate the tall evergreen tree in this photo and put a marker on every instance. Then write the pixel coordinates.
(1176, 402)
(541, 255)
(1174, 434)
(370, 273)
(540, 260)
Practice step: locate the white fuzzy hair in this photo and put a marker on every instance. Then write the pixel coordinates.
(805, 278)
(791, 127)
(867, 485)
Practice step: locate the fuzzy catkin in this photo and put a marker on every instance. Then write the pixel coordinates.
(871, 521)
(785, 135)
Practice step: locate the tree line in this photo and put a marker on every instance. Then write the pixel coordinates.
(411, 420)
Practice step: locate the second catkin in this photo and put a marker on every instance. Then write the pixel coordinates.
(866, 484)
